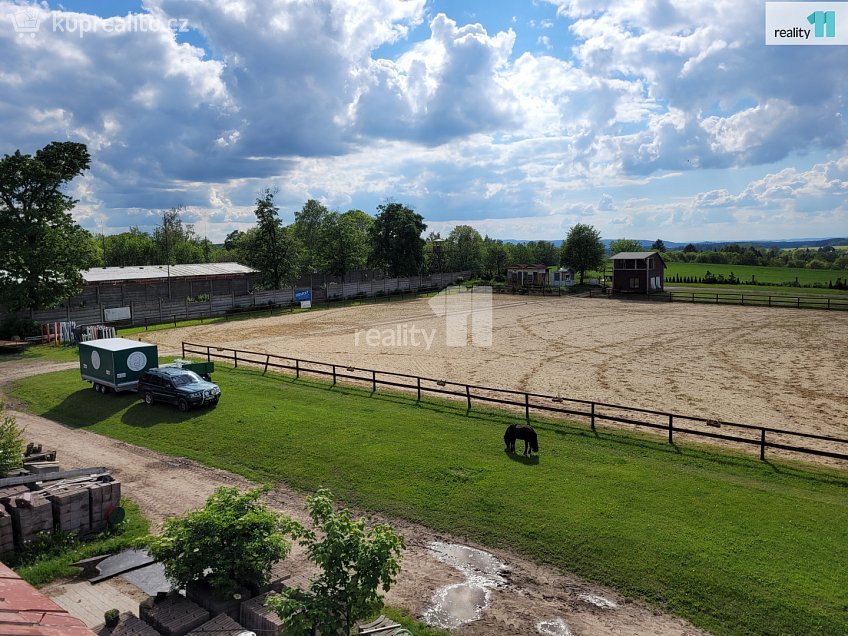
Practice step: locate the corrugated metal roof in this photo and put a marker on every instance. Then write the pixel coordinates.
(633, 255)
(106, 274)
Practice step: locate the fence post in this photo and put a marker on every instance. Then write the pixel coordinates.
(334, 375)
(373, 381)
(670, 428)
(762, 444)
(297, 368)
(828, 303)
(175, 320)
(693, 297)
(798, 301)
(419, 387)
(742, 299)
(267, 360)
(593, 416)
(235, 357)
(527, 406)
(468, 396)
(769, 301)
(208, 354)
(183, 349)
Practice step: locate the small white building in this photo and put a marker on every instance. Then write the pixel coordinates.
(563, 277)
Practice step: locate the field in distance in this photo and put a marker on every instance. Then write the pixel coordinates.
(774, 275)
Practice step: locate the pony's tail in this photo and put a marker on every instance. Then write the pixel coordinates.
(535, 443)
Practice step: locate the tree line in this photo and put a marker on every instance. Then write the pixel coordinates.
(827, 257)
(43, 249)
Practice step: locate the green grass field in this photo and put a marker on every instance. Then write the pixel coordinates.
(775, 275)
(732, 544)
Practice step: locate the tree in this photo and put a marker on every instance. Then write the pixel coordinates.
(396, 243)
(690, 248)
(354, 563)
(494, 256)
(232, 541)
(343, 242)
(543, 252)
(465, 247)
(583, 249)
(624, 245)
(129, 248)
(176, 242)
(42, 248)
(271, 248)
(658, 246)
(307, 229)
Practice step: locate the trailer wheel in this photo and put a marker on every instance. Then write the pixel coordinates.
(98, 388)
(148, 397)
(182, 405)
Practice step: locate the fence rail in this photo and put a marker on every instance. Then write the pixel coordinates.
(762, 437)
(741, 298)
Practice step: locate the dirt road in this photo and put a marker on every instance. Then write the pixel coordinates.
(165, 486)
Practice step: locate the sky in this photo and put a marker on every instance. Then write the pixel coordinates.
(646, 119)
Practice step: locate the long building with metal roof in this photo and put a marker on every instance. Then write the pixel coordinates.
(153, 272)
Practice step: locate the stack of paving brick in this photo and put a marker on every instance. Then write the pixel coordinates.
(258, 618)
(172, 615)
(7, 534)
(71, 507)
(103, 498)
(221, 625)
(129, 625)
(32, 515)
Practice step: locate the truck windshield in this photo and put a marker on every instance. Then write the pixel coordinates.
(188, 377)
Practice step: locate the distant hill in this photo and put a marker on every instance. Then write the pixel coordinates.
(717, 245)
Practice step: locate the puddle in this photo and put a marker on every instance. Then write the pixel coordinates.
(553, 627)
(457, 604)
(460, 603)
(597, 601)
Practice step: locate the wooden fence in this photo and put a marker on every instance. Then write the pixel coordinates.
(738, 298)
(671, 423)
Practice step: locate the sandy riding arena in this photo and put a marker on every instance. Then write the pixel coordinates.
(783, 368)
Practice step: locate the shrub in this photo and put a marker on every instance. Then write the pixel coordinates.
(15, 326)
(230, 542)
(11, 442)
(111, 617)
(354, 563)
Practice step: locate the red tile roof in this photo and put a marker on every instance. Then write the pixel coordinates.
(24, 611)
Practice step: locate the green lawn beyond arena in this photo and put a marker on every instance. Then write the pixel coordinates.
(732, 544)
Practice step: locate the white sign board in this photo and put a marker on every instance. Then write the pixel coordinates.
(305, 304)
(806, 23)
(117, 313)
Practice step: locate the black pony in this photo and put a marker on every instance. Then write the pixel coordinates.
(521, 431)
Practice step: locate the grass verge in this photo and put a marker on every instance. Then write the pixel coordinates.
(734, 545)
(50, 560)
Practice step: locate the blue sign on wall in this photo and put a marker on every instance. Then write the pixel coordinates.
(301, 295)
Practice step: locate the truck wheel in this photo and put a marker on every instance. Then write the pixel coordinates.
(182, 405)
(148, 397)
